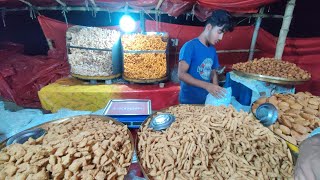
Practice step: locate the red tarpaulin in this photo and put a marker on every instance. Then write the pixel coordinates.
(22, 76)
(202, 8)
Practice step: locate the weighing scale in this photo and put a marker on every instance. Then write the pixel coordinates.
(131, 112)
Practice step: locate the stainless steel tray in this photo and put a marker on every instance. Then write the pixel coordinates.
(271, 79)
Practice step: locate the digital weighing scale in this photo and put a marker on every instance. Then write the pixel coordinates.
(131, 112)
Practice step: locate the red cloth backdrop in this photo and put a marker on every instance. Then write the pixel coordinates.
(202, 8)
(21, 76)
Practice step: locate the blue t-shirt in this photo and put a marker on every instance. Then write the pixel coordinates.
(201, 60)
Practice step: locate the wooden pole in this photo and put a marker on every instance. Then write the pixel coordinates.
(255, 34)
(50, 45)
(284, 29)
(159, 4)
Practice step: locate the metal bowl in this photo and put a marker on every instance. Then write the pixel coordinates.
(161, 121)
(267, 113)
(23, 136)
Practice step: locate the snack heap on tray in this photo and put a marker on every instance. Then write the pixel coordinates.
(91, 62)
(207, 142)
(147, 65)
(299, 114)
(273, 67)
(84, 148)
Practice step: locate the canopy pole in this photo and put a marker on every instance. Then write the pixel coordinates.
(50, 45)
(159, 4)
(142, 22)
(284, 29)
(255, 34)
(61, 3)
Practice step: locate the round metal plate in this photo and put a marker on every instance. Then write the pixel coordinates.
(271, 79)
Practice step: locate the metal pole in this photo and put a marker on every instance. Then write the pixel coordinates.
(142, 22)
(284, 29)
(255, 34)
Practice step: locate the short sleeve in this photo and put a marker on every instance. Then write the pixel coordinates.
(186, 53)
(215, 63)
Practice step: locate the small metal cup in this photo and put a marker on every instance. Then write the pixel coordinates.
(161, 121)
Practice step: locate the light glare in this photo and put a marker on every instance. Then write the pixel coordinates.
(127, 24)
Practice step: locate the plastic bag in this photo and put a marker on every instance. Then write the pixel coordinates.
(226, 100)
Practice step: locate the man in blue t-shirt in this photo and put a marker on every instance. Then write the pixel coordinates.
(198, 60)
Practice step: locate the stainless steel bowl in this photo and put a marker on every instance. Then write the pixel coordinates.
(267, 113)
(161, 121)
(23, 136)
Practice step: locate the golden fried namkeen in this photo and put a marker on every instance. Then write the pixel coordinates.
(84, 148)
(143, 42)
(207, 142)
(145, 66)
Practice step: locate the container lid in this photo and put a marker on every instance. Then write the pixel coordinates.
(23, 136)
(162, 121)
(267, 113)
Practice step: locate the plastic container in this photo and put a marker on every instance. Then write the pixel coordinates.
(94, 63)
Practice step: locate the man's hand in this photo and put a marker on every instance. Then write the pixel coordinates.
(216, 90)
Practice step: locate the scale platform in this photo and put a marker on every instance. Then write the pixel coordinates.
(131, 112)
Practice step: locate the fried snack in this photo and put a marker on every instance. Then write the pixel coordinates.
(84, 148)
(273, 67)
(296, 117)
(145, 66)
(207, 142)
(143, 42)
(148, 65)
(91, 62)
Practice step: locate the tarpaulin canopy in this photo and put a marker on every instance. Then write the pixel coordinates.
(200, 8)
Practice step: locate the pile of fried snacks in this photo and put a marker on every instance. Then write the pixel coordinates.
(145, 66)
(299, 114)
(143, 42)
(207, 142)
(84, 148)
(273, 67)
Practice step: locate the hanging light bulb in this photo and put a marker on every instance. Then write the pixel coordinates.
(127, 24)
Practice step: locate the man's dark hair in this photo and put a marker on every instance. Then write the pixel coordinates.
(221, 18)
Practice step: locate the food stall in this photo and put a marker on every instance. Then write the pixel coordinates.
(203, 142)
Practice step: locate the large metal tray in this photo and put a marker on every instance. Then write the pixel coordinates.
(271, 79)
(103, 118)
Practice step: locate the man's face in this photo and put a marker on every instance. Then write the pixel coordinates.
(214, 34)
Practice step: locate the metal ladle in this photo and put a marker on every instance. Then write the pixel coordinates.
(267, 113)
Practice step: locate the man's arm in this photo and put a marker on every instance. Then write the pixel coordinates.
(184, 76)
(214, 76)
